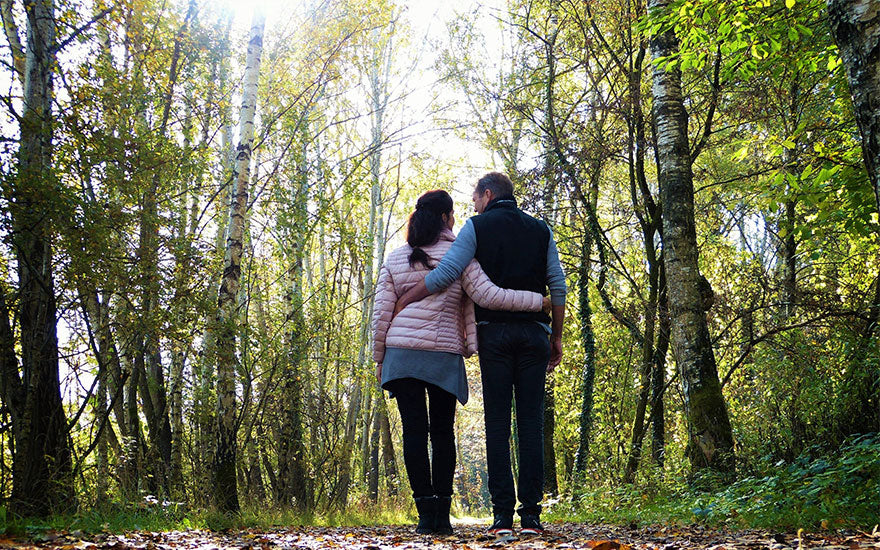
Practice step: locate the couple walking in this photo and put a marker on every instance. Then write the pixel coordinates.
(425, 319)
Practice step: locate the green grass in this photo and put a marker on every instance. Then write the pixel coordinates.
(120, 519)
(814, 492)
(840, 489)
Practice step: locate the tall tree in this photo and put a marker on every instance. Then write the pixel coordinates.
(42, 456)
(292, 457)
(710, 439)
(225, 487)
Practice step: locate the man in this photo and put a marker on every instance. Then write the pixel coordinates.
(516, 251)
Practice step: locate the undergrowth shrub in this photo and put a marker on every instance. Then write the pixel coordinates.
(841, 489)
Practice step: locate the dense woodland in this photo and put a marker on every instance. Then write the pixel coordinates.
(194, 211)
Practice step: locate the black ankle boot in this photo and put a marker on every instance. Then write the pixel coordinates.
(427, 508)
(442, 526)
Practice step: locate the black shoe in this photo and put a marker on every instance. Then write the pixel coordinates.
(530, 524)
(503, 524)
(442, 526)
(427, 508)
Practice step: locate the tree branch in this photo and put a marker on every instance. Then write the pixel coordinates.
(713, 103)
(11, 30)
(73, 36)
(773, 331)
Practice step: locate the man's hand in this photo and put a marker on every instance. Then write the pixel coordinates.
(379, 372)
(555, 353)
(414, 294)
(558, 316)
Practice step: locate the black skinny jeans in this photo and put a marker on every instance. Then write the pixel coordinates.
(419, 420)
(513, 361)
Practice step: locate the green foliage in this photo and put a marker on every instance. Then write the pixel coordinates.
(840, 489)
(749, 37)
(176, 516)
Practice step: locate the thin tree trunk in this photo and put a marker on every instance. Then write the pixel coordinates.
(176, 481)
(292, 459)
(710, 440)
(364, 439)
(789, 217)
(131, 466)
(225, 487)
(256, 488)
(550, 483)
(148, 357)
(648, 215)
(388, 459)
(588, 340)
(379, 100)
(101, 458)
(639, 427)
(658, 374)
(373, 477)
(12, 389)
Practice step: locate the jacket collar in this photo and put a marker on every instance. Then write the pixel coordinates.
(446, 234)
(505, 202)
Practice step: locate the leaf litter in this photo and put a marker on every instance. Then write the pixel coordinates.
(561, 536)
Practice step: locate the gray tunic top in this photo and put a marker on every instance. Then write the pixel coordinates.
(441, 368)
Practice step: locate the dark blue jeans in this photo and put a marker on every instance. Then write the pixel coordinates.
(513, 362)
(419, 419)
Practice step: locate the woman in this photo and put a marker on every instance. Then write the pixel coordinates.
(421, 351)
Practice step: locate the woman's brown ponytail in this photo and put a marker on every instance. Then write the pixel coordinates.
(426, 223)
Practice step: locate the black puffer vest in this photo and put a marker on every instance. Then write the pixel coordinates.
(512, 248)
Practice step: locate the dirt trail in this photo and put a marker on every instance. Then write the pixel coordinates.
(466, 537)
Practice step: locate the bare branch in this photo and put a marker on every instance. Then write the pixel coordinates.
(73, 36)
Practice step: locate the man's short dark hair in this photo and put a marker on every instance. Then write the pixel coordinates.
(498, 183)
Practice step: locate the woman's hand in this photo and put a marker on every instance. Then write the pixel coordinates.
(546, 305)
(379, 372)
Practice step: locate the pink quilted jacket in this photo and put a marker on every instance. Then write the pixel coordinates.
(443, 321)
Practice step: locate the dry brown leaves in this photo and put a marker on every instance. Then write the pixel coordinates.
(466, 537)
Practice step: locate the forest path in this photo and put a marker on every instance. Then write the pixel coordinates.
(467, 537)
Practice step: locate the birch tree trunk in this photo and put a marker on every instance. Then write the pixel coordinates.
(42, 466)
(856, 28)
(710, 440)
(225, 486)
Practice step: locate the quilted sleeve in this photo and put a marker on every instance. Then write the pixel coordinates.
(383, 308)
(486, 294)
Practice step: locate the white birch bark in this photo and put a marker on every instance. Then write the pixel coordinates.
(856, 28)
(710, 440)
(224, 324)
